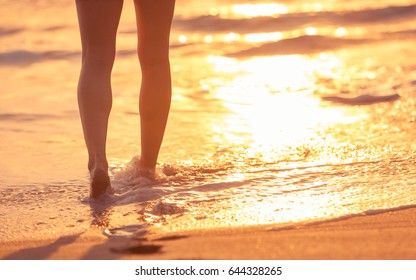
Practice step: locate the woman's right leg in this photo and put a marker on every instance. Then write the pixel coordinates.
(154, 18)
(98, 22)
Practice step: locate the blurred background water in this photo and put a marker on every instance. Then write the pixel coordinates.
(283, 112)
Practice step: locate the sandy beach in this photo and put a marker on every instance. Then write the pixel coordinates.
(387, 236)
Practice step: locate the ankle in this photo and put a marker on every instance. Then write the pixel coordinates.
(97, 163)
(147, 170)
(147, 164)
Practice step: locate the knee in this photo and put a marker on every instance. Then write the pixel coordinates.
(153, 58)
(99, 57)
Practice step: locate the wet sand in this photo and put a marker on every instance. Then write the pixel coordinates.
(386, 236)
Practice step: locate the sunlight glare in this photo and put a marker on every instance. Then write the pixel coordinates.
(341, 31)
(263, 37)
(257, 10)
(273, 101)
(208, 39)
(311, 31)
(316, 7)
(182, 39)
(274, 211)
(232, 37)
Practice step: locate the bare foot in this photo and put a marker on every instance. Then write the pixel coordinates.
(100, 184)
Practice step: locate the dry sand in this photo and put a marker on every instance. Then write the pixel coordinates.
(390, 235)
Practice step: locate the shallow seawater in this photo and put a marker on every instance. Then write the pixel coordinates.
(283, 112)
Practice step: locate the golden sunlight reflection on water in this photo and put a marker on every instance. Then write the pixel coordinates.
(250, 10)
(273, 116)
(262, 9)
(272, 100)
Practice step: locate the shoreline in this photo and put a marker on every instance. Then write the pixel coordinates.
(384, 236)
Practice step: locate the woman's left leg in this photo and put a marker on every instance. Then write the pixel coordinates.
(98, 22)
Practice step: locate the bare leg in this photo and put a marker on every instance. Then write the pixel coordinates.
(98, 22)
(154, 18)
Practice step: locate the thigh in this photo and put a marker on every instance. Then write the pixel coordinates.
(154, 19)
(98, 23)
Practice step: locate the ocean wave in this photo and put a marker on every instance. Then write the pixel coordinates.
(307, 44)
(272, 195)
(9, 31)
(26, 117)
(300, 45)
(24, 57)
(292, 21)
(364, 99)
(402, 34)
(371, 212)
